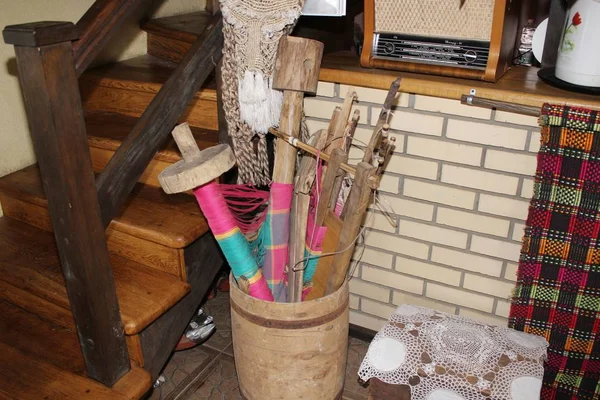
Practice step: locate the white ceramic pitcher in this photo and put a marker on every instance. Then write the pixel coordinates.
(578, 59)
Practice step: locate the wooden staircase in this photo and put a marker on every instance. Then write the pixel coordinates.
(162, 259)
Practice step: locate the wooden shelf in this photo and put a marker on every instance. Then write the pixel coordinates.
(520, 85)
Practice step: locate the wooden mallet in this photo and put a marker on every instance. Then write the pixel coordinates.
(296, 72)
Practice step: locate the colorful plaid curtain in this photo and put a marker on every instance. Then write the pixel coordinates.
(558, 281)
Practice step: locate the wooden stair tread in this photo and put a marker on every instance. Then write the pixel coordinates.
(184, 27)
(171, 220)
(29, 261)
(143, 73)
(107, 130)
(48, 355)
(29, 378)
(55, 344)
(128, 87)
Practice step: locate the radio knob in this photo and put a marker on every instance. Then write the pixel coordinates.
(389, 48)
(470, 56)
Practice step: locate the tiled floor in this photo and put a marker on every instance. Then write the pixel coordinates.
(208, 371)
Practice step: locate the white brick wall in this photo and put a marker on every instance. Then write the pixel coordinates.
(409, 166)
(449, 106)
(487, 134)
(458, 185)
(447, 151)
(439, 193)
(472, 221)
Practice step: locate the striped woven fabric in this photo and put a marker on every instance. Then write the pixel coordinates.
(275, 233)
(558, 280)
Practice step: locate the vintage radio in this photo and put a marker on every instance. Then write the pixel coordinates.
(472, 39)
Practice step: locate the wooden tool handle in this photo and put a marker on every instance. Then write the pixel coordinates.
(298, 226)
(289, 122)
(185, 142)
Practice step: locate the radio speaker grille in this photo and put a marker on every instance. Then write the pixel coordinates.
(439, 18)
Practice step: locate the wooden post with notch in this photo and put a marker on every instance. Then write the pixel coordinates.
(354, 211)
(49, 84)
(296, 72)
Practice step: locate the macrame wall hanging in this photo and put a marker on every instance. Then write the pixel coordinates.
(252, 29)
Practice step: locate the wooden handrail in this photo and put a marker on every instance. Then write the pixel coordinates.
(97, 26)
(129, 162)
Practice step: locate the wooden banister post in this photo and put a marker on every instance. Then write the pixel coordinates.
(54, 111)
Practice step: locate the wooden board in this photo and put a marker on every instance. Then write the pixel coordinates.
(127, 87)
(29, 261)
(41, 339)
(379, 390)
(520, 85)
(142, 74)
(172, 221)
(166, 47)
(330, 242)
(43, 309)
(107, 130)
(184, 27)
(151, 254)
(101, 157)
(46, 381)
(170, 37)
(47, 332)
(199, 112)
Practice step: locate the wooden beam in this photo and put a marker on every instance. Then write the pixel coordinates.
(98, 25)
(55, 114)
(154, 126)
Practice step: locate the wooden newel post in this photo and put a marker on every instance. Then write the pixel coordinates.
(296, 72)
(54, 111)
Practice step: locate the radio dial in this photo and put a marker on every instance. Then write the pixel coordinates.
(389, 48)
(470, 56)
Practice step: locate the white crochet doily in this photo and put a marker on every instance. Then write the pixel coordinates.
(443, 356)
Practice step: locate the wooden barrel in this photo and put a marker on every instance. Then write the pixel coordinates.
(290, 350)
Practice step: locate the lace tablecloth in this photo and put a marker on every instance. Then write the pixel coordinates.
(443, 356)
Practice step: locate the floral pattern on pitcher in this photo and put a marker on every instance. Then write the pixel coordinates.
(567, 44)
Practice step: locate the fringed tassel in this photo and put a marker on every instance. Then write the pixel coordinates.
(260, 105)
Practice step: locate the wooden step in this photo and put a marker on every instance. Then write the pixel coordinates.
(151, 229)
(107, 130)
(169, 38)
(128, 87)
(43, 360)
(29, 261)
(59, 316)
